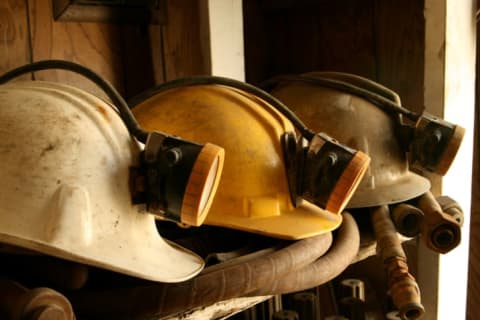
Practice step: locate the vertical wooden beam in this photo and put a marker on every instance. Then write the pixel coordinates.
(434, 53)
(449, 93)
(473, 292)
(459, 108)
(203, 37)
(14, 35)
(225, 35)
(182, 41)
(138, 65)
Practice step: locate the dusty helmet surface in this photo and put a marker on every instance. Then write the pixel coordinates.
(66, 157)
(253, 194)
(361, 125)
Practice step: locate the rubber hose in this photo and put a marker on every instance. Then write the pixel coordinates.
(327, 267)
(235, 280)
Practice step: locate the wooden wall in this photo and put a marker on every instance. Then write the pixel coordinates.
(381, 40)
(131, 57)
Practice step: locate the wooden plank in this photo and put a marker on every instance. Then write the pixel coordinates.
(156, 49)
(400, 42)
(183, 45)
(219, 310)
(473, 289)
(316, 35)
(256, 49)
(449, 93)
(428, 261)
(473, 293)
(137, 59)
(97, 46)
(459, 107)
(347, 42)
(14, 35)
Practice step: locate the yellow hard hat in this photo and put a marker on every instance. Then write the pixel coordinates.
(254, 193)
(360, 124)
(65, 165)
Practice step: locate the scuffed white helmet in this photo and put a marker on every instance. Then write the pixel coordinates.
(65, 160)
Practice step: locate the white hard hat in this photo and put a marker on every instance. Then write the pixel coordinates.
(66, 157)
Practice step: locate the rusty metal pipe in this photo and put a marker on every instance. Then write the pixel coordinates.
(234, 280)
(325, 268)
(402, 285)
(440, 231)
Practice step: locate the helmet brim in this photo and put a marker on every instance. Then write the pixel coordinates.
(159, 261)
(305, 221)
(409, 186)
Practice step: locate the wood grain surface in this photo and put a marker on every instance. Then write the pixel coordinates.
(94, 45)
(14, 35)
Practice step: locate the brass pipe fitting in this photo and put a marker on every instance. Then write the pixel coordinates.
(402, 285)
(452, 208)
(440, 231)
(354, 288)
(408, 219)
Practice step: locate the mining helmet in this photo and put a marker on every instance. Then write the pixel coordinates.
(66, 169)
(176, 179)
(358, 122)
(255, 194)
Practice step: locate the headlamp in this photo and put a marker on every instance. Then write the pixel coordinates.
(177, 179)
(319, 168)
(432, 143)
(323, 171)
(435, 143)
(180, 178)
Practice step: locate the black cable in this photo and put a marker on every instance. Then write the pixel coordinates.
(377, 99)
(358, 81)
(207, 80)
(125, 113)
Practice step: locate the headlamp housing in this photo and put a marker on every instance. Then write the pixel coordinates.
(435, 143)
(323, 171)
(179, 178)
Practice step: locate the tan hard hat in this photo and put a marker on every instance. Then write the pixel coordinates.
(361, 125)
